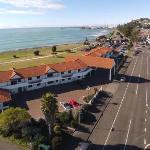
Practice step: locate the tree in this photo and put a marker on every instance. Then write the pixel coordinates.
(11, 118)
(49, 108)
(36, 53)
(54, 48)
(86, 42)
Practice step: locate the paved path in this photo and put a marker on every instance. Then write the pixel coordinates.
(8, 146)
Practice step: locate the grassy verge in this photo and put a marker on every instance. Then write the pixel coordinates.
(28, 53)
(45, 52)
(18, 142)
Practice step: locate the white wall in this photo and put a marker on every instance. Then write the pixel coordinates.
(44, 80)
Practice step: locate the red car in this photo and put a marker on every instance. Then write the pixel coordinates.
(74, 103)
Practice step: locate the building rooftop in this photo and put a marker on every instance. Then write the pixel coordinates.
(4, 96)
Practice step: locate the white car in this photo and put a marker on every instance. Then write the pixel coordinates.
(122, 79)
(66, 106)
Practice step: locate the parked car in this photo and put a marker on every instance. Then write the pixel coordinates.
(66, 106)
(84, 145)
(122, 79)
(74, 103)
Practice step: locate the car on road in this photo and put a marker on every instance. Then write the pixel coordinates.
(66, 106)
(122, 79)
(84, 145)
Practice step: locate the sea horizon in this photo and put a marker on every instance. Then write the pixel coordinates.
(13, 39)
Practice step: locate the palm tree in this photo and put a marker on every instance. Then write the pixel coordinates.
(49, 108)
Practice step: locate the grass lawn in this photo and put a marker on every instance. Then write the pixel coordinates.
(44, 51)
(28, 53)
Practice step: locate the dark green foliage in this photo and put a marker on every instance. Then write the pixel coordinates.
(11, 119)
(54, 48)
(57, 143)
(74, 123)
(64, 118)
(130, 30)
(37, 53)
(57, 130)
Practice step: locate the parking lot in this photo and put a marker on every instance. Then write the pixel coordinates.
(77, 90)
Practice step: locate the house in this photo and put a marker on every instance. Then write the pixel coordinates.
(26, 79)
(5, 98)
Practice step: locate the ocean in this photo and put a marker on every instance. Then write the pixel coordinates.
(22, 38)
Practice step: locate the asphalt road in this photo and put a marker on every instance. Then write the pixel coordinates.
(126, 126)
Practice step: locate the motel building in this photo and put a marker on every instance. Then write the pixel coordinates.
(16, 81)
(5, 98)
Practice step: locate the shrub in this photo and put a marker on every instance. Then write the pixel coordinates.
(57, 143)
(74, 123)
(38, 141)
(57, 130)
(37, 53)
(14, 56)
(64, 118)
(11, 118)
(88, 98)
(54, 48)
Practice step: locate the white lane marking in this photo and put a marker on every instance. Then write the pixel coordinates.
(146, 98)
(120, 105)
(127, 134)
(145, 130)
(147, 68)
(137, 85)
(144, 141)
(147, 146)
(146, 111)
(145, 120)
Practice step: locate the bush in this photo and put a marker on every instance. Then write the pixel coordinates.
(38, 141)
(57, 130)
(64, 118)
(11, 118)
(37, 53)
(88, 98)
(54, 48)
(57, 143)
(74, 123)
(14, 56)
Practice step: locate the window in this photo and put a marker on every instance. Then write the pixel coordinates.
(50, 82)
(30, 86)
(79, 70)
(62, 72)
(56, 80)
(30, 78)
(38, 84)
(13, 82)
(38, 77)
(63, 79)
(69, 78)
(79, 76)
(50, 75)
(19, 80)
(69, 71)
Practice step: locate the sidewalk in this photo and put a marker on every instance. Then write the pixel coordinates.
(4, 145)
(88, 129)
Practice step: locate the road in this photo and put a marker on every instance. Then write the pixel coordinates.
(126, 126)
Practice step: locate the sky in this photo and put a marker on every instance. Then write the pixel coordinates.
(47, 13)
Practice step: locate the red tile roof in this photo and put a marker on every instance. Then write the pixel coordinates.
(99, 51)
(98, 62)
(4, 96)
(32, 71)
(68, 65)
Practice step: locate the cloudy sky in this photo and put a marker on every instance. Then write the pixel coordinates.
(37, 13)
